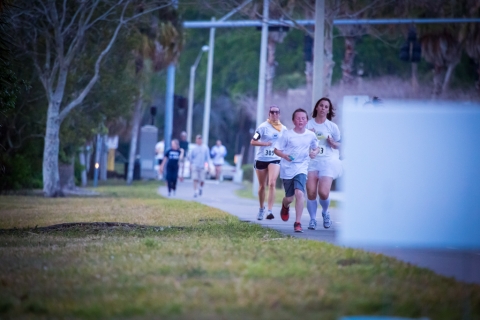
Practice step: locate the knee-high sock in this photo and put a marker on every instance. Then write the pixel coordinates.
(312, 208)
(325, 204)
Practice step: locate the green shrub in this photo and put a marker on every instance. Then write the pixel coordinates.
(17, 172)
(248, 172)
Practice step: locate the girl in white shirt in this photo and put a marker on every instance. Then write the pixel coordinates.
(326, 166)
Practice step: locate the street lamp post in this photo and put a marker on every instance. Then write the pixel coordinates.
(208, 89)
(191, 89)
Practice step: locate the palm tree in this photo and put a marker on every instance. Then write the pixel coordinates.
(472, 39)
(442, 44)
(161, 41)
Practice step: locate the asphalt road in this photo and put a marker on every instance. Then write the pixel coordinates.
(462, 265)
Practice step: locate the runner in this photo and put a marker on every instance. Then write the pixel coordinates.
(198, 156)
(295, 147)
(183, 143)
(172, 156)
(218, 153)
(327, 165)
(267, 164)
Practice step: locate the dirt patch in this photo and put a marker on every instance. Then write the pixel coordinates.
(92, 226)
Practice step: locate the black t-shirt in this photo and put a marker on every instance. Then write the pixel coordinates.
(173, 156)
(184, 146)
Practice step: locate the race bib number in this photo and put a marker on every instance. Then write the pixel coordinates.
(269, 153)
(322, 151)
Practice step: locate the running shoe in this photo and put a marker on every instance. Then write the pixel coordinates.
(297, 227)
(200, 191)
(261, 212)
(313, 224)
(284, 213)
(270, 215)
(327, 223)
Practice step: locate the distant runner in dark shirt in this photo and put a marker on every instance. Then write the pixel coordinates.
(171, 159)
(184, 147)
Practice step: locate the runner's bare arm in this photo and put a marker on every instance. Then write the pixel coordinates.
(282, 155)
(260, 143)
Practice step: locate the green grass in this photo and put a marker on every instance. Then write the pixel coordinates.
(196, 262)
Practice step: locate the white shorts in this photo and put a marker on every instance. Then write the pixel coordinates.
(328, 167)
(198, 173)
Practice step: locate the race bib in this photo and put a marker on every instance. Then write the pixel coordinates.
(269, 152)
(322, 152)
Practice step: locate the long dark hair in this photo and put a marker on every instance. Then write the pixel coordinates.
(331, 109)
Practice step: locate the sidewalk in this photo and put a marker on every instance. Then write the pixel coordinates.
(462, 265)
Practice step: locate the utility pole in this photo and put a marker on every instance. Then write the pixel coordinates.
(261, 78)
(208, 89)
(318, 51)
(170, 91)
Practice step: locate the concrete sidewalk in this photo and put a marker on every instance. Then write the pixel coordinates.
(462, 265)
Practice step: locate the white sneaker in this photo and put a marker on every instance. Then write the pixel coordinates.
(261, 212)
(313, 224)
(327, 223)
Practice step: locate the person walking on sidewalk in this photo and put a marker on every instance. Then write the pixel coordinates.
(183, 143)
(218, 153)
(294, 148)
(267, 163)
(171, 159)
(198, 156)
(326, 166)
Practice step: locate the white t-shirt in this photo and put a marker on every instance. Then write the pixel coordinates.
(218, 153)
(322, 132)
(199, 155)
(159, 150)
(298, 146)
(268, 134)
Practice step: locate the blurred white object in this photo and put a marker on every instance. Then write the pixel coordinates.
(412, 175)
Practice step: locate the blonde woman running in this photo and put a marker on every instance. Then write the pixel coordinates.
(267, 164)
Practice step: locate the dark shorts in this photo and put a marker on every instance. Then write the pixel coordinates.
(297, 182)
(262, 165)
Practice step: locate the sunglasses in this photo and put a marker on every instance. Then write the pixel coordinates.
(274, 112)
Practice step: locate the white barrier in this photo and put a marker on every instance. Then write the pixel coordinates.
(412, 175)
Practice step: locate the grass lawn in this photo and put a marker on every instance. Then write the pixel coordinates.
(183, 260)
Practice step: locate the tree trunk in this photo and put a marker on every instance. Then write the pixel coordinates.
(103, 159)
(308, 83)
(448, 75)
(83, 162)
(51, 179)
(437, 81)
(347, 63)
(67, 175)
(328, 62)
(414, 77)
(137, 117)
(273, 38)
(270, 72)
